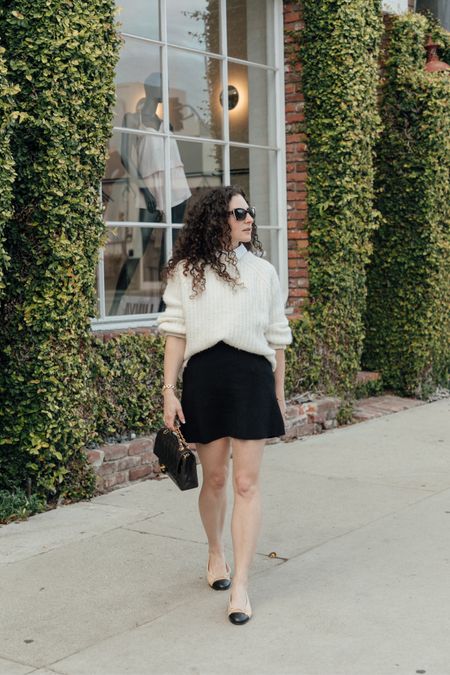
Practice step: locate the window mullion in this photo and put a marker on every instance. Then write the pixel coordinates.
(224, 72)
(101, 268)
(166, 128)
(101, 283)
(281, 206)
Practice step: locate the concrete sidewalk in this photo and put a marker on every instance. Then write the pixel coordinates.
(359, 518)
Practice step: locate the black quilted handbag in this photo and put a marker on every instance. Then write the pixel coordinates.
(176, 458)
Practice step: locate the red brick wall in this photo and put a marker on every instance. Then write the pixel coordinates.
(296, 169)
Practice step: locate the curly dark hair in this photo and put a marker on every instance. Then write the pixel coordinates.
(206, 233)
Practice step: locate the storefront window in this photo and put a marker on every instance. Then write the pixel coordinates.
(198, 106)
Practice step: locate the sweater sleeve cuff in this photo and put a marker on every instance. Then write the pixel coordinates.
(171, 332)
(170, 325)
(279, 334)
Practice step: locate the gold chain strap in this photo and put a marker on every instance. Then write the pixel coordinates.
(180, 435)
(181, 438)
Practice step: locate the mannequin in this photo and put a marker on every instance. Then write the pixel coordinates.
(142, 156)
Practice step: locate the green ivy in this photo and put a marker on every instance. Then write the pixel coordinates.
(7, 173)
(124, 392)
(339, 50)
(303, 367)
(408, 313)
(62, 55)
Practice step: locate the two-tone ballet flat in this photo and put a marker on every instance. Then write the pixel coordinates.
(239, 615)
(221, 583)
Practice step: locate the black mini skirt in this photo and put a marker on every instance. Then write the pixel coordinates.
(229, 392)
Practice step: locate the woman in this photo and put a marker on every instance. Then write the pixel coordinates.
(226, 329)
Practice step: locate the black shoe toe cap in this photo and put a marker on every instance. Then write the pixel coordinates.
(238, 617)
(221, 584)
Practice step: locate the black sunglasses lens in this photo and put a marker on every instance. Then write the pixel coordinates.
(240, 214)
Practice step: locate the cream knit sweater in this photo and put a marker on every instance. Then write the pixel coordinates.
(250, 317)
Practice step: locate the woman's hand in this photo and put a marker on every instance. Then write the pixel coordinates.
(172, 409)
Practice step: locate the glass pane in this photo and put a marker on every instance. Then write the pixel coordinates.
(200, 164)
(138, 85)
(247, 25)
(251, 108)
(255, 171)
(175, 232)
(133, 186)
(269, 241)
(196, 27)
(194, 89)
(139, 17)
(134, 258)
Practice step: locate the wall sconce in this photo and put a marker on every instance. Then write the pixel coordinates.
(233, 97)
(433, 63)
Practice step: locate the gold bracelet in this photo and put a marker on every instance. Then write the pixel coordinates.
(168, 386)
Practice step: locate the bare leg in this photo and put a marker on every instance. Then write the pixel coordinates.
(212, 501)
(246, 519)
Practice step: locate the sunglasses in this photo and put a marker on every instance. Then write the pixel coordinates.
(241, 214)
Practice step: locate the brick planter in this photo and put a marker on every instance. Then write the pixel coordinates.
(307, 418)
(119, 464)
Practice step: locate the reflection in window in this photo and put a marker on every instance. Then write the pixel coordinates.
(194, 88)
(138, 70)
(269, 241)
(203, 166)
(133, 186)
(250, 118)
(194, 24)
(140, 17)
(133, 259)
(134, 191)
(255, 171)
(247, 30)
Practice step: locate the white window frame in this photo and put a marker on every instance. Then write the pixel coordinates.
(395, 6)
(149, 320)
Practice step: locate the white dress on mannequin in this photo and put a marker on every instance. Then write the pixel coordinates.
(150, 163)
